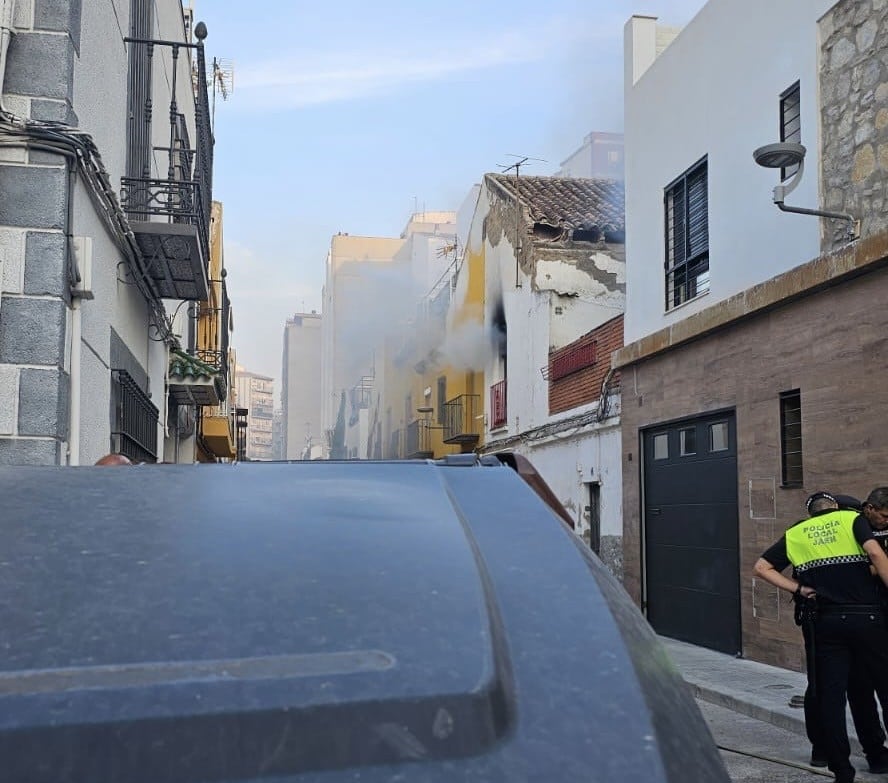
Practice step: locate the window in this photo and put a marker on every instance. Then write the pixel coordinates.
(661, 446)
(790, 124)
(791, 437)
(687, 439)
(134, 419)
(687, 235)
(442, 397)
(718, 436)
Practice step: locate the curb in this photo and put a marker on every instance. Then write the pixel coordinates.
(778, 719)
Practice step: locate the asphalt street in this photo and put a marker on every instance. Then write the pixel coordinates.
(758, 752)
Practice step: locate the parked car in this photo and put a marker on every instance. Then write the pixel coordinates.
(323, 622)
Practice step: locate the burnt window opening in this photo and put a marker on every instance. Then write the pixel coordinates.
(500, 330)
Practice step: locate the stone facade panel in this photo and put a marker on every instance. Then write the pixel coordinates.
(40, 65)
(32, 331)
(43, 403)
(45, 260)
(59, 15)
(854, 91)
(33, 197)
(29, 451)
(12, 260)
(9, 378)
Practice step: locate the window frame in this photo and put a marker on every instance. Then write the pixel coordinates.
(792, 473)
(793, 136)
(691, 263)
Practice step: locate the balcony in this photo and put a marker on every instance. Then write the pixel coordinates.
(498, 415)
(178, 244)
(193, 382)
(219, 361)
(461, 423)
(218, 433)
(419, 440)
(170, 215)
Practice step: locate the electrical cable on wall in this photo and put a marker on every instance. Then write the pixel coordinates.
(79, 147)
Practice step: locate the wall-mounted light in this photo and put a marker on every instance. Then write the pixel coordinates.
(784, 155)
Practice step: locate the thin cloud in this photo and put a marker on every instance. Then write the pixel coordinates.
(306, 79)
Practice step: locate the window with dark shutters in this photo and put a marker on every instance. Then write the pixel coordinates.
(686, 205)
(790, 123)
(791, 438)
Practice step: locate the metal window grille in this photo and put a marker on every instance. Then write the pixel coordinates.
(134, 433)
(790, 123)
(686, 206)
(791, 438)
(498, 415)
(571, 361)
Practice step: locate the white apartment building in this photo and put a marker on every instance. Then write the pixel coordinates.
(301, 387)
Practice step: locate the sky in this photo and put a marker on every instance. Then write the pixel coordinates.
(350, 115)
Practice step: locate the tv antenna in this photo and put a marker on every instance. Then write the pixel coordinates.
(223, 83)
(522, 160)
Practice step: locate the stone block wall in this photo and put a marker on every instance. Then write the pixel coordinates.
(854, 116)
(34, 290)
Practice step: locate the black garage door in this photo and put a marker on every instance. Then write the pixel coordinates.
(691, 531)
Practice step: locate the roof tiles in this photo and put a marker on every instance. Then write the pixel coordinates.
(567, 203)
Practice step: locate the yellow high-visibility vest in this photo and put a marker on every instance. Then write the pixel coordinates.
(826, 539)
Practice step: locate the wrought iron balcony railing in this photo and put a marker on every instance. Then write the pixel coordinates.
(219, 360)
(184, 196)
(461, 422)
(179, 201)
(498, 416)
(419, 440)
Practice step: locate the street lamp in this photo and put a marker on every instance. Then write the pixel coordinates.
(783, 155)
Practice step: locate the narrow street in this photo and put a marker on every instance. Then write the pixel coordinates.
(758, 752)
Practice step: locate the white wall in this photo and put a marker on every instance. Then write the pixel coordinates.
(715, 91)
(568, 463)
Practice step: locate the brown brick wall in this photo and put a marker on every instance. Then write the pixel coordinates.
(584, 386)
(833, 346)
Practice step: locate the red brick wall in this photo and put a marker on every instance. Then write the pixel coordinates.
(584, 386)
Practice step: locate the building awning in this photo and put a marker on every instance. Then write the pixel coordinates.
(191, 381)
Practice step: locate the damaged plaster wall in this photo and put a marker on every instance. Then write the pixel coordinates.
(587, 287)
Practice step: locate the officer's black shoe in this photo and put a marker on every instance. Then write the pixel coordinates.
(878, 761)
(818, 759)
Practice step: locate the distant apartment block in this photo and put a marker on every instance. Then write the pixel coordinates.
(301, 386)
(255, 392)
(599, 157)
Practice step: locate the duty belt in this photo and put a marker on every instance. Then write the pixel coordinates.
(849, 609)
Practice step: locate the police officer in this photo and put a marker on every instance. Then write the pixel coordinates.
(861, 698)
(831, 553)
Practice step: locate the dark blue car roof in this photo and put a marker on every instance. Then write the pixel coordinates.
(321, 622)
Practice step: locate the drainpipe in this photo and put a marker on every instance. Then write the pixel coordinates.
(76, 314)
(74, 425)
(7, 12)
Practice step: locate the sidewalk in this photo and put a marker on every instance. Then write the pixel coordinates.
(750, 688)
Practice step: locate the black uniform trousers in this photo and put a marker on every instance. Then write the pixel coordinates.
(861, 701)
(846, 637)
